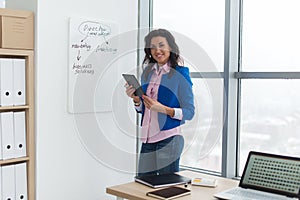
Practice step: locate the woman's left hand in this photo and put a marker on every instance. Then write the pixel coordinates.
(153, 104)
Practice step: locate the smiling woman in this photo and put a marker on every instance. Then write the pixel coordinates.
(168, 103)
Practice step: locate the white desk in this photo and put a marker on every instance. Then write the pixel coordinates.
(137, 191)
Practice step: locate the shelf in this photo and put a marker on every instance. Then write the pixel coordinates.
(29, 109)
(15, 52)
(9, 108)
(14, 160)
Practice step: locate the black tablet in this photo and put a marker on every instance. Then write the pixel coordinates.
(131, 80)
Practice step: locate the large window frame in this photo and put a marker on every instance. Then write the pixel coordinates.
(229, 144)
(231, 76)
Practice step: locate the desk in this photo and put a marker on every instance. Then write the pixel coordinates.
(137, 191)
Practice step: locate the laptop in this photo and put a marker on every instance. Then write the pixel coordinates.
(162, 180)
(267, 176)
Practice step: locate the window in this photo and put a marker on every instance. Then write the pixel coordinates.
(200, 24)
(201, 21)
(2, 3)
(254, 46)
(269, 103)
(271, 40)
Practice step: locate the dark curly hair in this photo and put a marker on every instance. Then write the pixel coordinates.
(174, 53)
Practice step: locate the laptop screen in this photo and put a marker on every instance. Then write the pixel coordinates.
(272, 173)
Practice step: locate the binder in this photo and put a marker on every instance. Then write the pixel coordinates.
(21, 181)
(8, 182)
(1, 151)
(19, 82)
(6, 81)
(20, 134)
(7, 134)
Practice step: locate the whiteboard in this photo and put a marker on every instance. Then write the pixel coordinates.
(93, 49)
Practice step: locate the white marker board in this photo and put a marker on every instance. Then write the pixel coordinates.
(93, 49)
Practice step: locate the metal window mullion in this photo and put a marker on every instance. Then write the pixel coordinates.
(207, 75)
(144, 24)
(267, 75)
(231, 64)
(150, 13)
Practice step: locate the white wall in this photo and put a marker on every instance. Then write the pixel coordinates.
(72, 160)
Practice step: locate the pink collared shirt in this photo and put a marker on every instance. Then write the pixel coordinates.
(150, 132)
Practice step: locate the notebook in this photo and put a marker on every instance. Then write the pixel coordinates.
(162, 180)
(169, 193)
(267, 176)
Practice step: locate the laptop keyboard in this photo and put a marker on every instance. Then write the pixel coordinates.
(250, 194)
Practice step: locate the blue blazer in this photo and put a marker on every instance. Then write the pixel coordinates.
(175, 91)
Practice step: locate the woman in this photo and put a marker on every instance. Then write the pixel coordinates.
(168, 102)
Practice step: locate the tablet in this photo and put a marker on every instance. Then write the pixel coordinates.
(131, 80)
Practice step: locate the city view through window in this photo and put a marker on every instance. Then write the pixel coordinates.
(269, 110)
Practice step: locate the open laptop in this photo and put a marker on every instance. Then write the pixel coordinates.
(267, 176)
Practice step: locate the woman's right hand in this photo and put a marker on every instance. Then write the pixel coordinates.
(130, 93)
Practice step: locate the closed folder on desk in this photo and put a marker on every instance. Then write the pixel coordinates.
(19, 81)
(7, 135)
(8, 182)
(19, 134)
(6, 82)
(21, 181)
(162, 180)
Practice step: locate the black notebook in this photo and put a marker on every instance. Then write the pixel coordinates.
(162, 180)
(169, 193)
